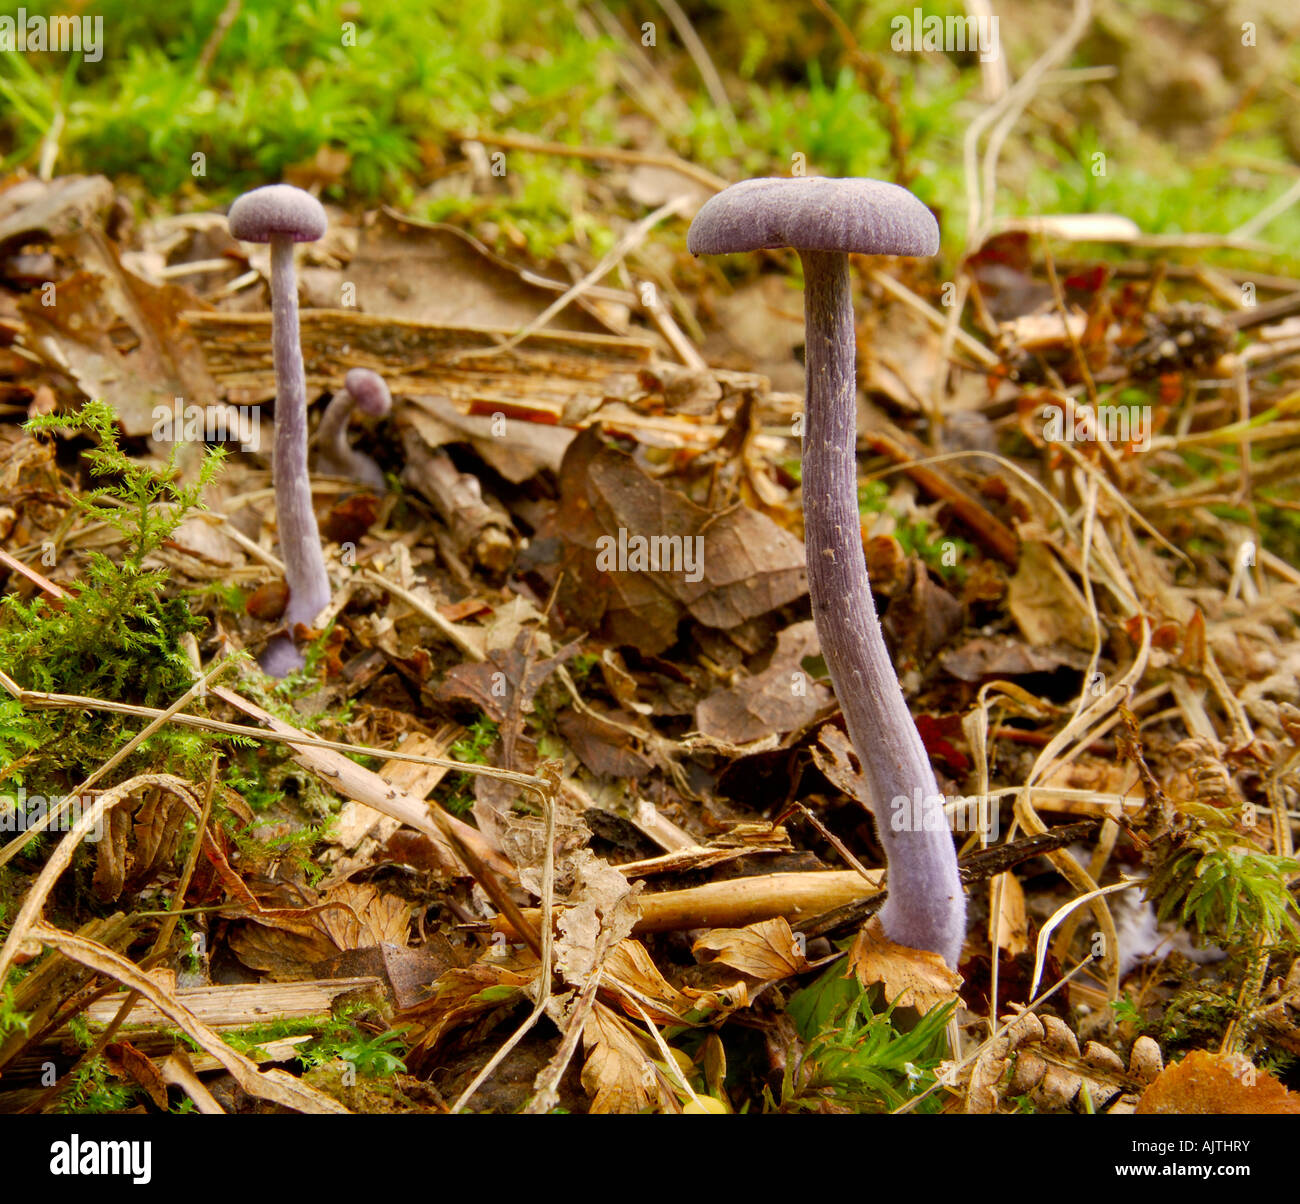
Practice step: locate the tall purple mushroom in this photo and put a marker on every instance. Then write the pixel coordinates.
(281, 215)
(363, 390)
(825, 220)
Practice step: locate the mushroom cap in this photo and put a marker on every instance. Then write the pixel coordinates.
(369, 390)
(813, 213)
(277, 209)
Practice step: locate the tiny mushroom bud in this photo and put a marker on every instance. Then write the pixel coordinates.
(366, 391)
(825, 220)
(281, 216)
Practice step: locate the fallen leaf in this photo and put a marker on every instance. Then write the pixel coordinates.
(720, 568)
(632, 966)
(921, 618)
(1010, 931)
(1045, 602)
(604, 749)
(835, 756)
(782, 698)
(619, 1074)
(1210, 1084)
(119, 336)
(909, 977)
(126, 1061)
(364, 917)
(267, 601)
(767, 950)
(432, 272)
(1003, 656)
(602, 912)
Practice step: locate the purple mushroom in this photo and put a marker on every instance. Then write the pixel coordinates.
(281, 216)
(366, 391)
(826, 220)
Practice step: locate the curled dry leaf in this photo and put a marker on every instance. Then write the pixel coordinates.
(910, 977)
(291, 943)
(619, 1074)
(465, 994)
(631, 967)
(768, 950)
(125, 1061)
(1045, 602)
(364, 917)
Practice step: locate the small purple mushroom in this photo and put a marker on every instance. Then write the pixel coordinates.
(366, 391)
(825, 220)
(281, 216)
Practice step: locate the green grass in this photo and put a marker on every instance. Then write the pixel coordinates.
(854, 1055)
(394, 89)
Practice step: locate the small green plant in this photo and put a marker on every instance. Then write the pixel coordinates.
(1126, 1013)
(371, 1055)
(251, 1040)
(93, 1092)
(472, 747)
(11, 1020)
(854, 1057)
(945, 554)
(1227, 891)
(116, 635)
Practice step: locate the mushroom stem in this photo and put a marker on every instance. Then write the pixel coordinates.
(926, 908)
(335, 453)
(304, 564)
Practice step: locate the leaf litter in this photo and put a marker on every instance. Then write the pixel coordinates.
(1072, 629)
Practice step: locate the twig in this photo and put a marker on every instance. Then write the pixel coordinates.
(609, 154)
(1268, 213)
(1003, 114)
(703, 63)
(550, 771)
(633, 238)
(165, 931)
(218, 35)
(900, 292)
(450, 630)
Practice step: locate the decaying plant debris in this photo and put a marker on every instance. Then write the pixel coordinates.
(550, 821)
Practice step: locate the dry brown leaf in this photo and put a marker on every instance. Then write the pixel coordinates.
(619, 1074)
(126, 1061)
(365, 918)
(1045, 602)
(274, 950)
(723, 568)
(1210, 1084)
(1006, 656)
(780, 699)
(119, 337)
(836, 757)
(604, 749)
(432, 272)
(291, 943)
(767, 950)
(464, 994)
(603, 912)
(632, 967)
(909, 977)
